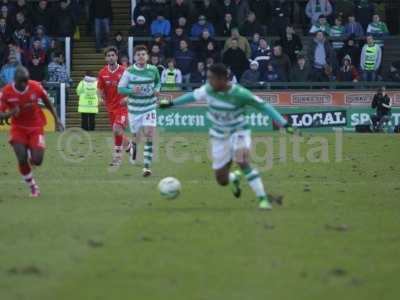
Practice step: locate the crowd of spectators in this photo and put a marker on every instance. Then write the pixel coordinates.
(31, 34)
(186, 36)
(347, 39)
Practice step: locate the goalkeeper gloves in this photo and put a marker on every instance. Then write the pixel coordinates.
(165, 103)
(289, 128)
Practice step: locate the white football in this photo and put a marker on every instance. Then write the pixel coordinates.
(169, 187)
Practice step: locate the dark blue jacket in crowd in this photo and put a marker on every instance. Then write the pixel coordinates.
(262, 56)
(184, 61)
(271, 76)
(198, 29)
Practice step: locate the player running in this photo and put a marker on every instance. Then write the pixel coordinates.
(230, 133)
(20, 101)
(107, 85)
(141, 83)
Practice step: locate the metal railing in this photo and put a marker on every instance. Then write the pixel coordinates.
(331, 85)
(58, 96)
(303, 86)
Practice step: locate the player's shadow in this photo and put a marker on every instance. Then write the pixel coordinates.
(205, 209)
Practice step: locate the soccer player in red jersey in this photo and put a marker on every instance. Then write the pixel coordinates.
(20, 101)
(108, 80)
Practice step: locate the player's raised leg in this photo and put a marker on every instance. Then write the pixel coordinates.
(21, 152)
(241, 143)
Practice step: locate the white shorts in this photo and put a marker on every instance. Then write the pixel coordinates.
(148, 119)
(223, 150)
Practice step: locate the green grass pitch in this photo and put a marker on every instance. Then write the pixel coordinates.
(97, 234)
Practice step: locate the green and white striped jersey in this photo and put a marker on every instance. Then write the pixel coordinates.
(140, 85)
(337, 32)
(226, 110)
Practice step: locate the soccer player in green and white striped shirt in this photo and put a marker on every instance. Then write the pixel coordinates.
(141, 83)
(230, 133)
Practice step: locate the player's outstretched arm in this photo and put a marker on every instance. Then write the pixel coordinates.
(182, 100)
(276, 116)
(267, 109)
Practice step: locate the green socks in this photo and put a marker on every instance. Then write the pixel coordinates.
(254, 180)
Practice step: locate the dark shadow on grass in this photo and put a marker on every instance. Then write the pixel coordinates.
(208, 209)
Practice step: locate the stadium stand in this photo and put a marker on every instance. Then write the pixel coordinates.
(32, 33)
(264, 39)
(85, 59)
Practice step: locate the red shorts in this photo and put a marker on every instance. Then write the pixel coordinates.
(118, 117)
(33, 138)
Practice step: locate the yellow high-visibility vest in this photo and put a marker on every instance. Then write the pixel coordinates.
(170, 80)
(88, 98)
(370, 57)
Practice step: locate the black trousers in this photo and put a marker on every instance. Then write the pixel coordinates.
(379, 121)
(88, 121)
(319, 75)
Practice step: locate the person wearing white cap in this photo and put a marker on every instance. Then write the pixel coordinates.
(251, 76)
(140, 28)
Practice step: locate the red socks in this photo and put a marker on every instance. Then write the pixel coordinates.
(26, 173)
(24, 169)
(118, 139)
